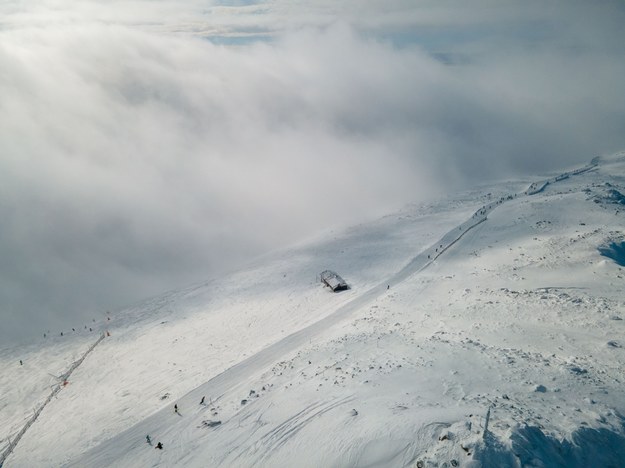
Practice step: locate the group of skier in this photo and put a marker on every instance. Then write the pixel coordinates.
(159, 445)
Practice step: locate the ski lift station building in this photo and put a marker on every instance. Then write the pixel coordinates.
(333, 281)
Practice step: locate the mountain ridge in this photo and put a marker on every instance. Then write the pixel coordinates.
(249, 297)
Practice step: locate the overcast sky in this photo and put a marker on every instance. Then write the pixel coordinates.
(149, 144)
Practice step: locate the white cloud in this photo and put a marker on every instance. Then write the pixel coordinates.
(135, 158)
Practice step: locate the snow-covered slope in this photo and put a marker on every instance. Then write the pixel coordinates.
(503, 348)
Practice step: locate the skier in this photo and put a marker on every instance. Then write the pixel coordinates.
(21, 364)
(148, 440)
(202, 401)
(176, 408)
(159, 446)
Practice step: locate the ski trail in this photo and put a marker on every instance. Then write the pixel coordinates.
(280, 435)
(113, 449)
(57, 388)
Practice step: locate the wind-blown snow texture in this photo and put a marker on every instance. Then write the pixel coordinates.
(520, 319)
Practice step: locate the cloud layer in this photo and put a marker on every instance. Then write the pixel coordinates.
(137, 154)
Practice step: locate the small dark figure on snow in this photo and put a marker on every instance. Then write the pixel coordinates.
(201, 401)
(148, 440)
(21, 364)
(176, 408)
(159, 446)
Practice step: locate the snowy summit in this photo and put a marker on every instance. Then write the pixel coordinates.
(484, 329)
